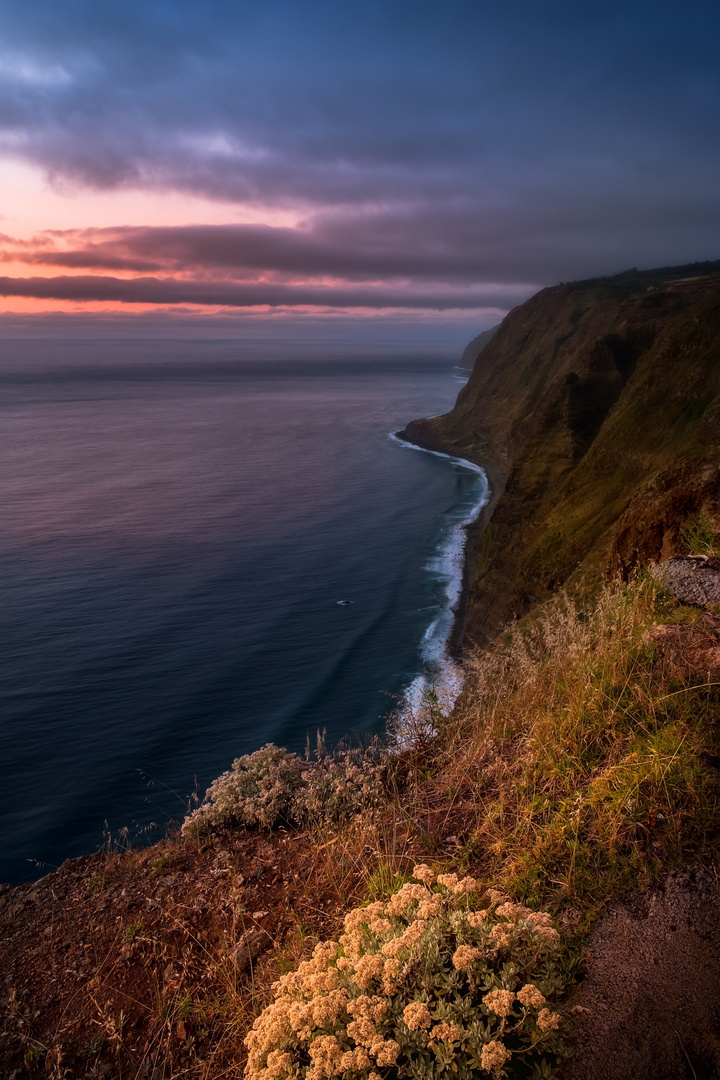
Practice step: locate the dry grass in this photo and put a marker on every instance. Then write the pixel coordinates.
(197, 1000)
(575, 769)
(577, 765)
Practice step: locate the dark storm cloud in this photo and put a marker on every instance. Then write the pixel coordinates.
(169, 291)
(237, 248)
(463, 141)
(417, 246)
(378, 248)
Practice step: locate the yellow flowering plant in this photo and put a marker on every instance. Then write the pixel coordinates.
(425, 985)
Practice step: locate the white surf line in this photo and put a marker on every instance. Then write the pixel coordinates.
(443, 676)
(394, 437)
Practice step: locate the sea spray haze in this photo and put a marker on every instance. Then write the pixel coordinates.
(180, 521)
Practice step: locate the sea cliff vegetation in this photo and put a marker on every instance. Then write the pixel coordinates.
(577, 773)
(600, 402)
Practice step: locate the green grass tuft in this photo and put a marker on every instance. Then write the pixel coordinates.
(700, 535)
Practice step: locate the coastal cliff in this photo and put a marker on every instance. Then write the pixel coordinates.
(596, 407)
(579, 772)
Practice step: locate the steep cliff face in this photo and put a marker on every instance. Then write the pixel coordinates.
(475, 347)
(600, 403)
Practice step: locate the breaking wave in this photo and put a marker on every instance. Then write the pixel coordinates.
(441, 676)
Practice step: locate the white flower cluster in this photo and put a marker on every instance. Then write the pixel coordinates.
(423, 985)
(273, 786)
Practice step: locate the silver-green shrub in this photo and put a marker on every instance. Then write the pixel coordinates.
(338, 785)
(258, 790)
(273, 786)
(421, 986)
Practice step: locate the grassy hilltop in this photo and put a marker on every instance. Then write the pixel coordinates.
(565, 815)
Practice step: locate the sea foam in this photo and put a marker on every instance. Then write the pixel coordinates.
(441, 674)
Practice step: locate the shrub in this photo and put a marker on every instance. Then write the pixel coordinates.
(339, 785)
(257, 790)
(422, 986)
(273, 786)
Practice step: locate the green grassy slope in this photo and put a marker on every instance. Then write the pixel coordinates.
(601, 401)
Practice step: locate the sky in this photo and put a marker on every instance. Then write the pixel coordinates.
(391, 162)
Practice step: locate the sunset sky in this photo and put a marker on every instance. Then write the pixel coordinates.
(382, 159)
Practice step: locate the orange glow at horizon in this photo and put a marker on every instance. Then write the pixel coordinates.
(17, 305)
(29, 204)
(34, 215)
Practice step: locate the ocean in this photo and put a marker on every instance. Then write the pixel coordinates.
(180, 521)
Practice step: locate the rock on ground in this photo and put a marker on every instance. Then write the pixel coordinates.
(691, 580)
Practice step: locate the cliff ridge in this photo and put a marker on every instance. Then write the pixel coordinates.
(596, 405)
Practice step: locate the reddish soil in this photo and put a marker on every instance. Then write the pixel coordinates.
(151, 964)
(691, 650)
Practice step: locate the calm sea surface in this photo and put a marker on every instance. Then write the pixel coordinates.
(179, 521)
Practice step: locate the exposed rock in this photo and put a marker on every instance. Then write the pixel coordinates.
(692, 579)
(250, 946)
(650, 529)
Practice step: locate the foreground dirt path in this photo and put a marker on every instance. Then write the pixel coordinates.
(652, 988)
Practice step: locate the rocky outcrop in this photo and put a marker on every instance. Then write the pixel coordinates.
(693, 580)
